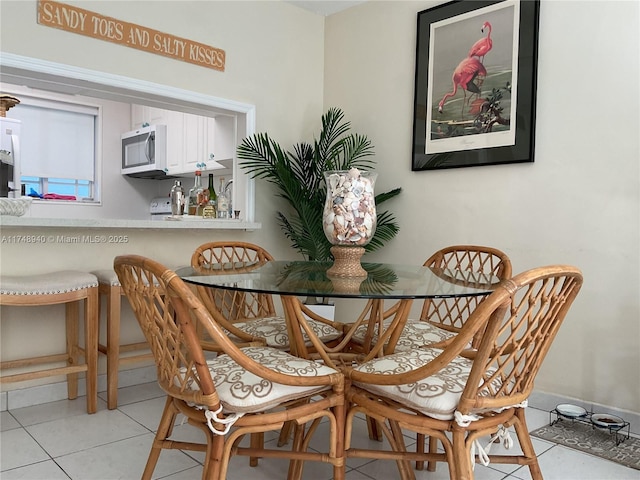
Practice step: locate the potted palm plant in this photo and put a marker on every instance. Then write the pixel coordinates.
(298, 177)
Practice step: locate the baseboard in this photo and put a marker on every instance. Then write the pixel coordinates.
(52, 392)
(548, 401)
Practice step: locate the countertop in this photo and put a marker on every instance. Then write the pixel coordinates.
(182, 224)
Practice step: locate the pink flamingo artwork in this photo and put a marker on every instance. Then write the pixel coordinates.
(463, 77)
(482, 46)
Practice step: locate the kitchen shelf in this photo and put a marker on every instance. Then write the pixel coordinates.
(586, 419)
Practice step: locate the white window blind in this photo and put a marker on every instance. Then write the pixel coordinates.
(57, 141)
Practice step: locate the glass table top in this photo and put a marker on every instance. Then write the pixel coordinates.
(301, 278)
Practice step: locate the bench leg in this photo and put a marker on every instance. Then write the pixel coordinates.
(91, 348)
(113, 345)
(71, 320)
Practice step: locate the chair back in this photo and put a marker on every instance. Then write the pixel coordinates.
(524, 315)
(451, 313)
(232, 257)
(156, 296)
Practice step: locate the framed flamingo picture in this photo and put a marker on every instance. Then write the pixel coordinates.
(475, 84)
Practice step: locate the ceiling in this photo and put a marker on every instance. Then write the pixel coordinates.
(325, 7)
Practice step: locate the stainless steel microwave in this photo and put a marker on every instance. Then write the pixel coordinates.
(144, 152)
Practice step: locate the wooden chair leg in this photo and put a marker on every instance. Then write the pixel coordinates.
(340, 412)
(522, 431)
(113, 345)
(420, 439)
(215, 465)
(91, 314)
(164, 428)
(404, 466)
(71, 326)
(374, 429)
(433, 448)
(285, 434)
(295, 466)
(461, 456)
(257, 441)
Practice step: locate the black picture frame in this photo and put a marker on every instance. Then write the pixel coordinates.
(439, 140)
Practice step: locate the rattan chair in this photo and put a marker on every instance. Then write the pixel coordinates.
(238, 392)
(249, 316)
(442, 318)
(436, 391)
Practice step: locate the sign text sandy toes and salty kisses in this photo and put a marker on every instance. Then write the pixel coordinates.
(83, 22)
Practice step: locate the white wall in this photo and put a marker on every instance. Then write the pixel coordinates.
(579, 203)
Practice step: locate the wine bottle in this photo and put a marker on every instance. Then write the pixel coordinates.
(193, 194)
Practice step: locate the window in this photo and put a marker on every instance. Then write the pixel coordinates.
(58, 146)
(81, 189)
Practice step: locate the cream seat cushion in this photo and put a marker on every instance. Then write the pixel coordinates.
(415, 334)
(241, 391)
(274, 331)
(108, 276)
(53, 283)
(436, 396)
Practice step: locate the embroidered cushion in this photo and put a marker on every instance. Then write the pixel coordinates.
(274, 331)
(436, 396)
(415, 334)
(242, 391)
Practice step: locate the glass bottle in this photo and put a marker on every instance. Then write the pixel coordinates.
(223, 201)
(213, 198)
(193, 193)
(203, 200)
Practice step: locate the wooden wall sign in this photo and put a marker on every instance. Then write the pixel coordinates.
(83, 22)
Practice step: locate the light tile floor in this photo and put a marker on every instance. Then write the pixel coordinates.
(60, 441)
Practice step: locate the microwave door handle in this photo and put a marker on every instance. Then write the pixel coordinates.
(147, 148)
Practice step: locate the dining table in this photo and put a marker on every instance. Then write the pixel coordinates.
(294, 281)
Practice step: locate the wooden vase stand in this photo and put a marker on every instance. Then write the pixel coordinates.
(347, 262)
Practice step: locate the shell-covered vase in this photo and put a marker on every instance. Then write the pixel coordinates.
(349, 216)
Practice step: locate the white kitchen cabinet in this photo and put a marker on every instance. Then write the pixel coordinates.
(193, 140)
(210, 143)
(194, 152)
(222, 135)
(175, 140)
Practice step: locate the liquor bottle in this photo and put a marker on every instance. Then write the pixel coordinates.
(213, 198)
(193, 193)
(203, 199)
(223, 201)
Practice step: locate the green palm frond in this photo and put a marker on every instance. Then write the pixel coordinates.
(383, 197)
(386, 229)
(299, 179)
